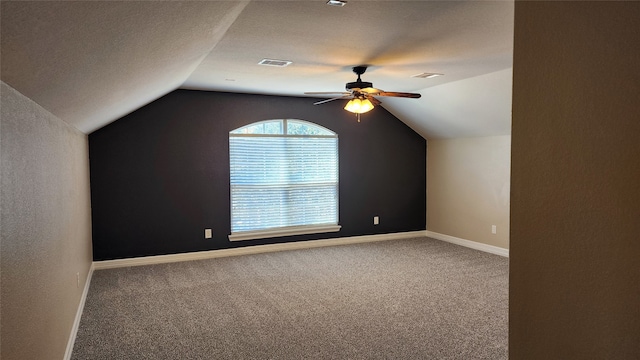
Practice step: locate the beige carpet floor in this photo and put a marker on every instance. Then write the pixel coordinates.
(399, 299)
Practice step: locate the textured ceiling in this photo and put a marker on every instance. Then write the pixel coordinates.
(90, 62)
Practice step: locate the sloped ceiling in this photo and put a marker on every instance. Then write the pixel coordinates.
(91, 62)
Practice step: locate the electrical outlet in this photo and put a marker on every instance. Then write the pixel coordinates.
(493, 229)
(376, 220)
(208, 234)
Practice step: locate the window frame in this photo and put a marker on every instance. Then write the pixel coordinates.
(286, 230)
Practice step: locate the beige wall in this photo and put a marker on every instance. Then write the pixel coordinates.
(575, 183)
(45, 228)
(468, 188)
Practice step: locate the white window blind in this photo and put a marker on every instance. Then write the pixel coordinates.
(283, 183)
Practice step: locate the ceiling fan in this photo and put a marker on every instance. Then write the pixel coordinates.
(361, 93)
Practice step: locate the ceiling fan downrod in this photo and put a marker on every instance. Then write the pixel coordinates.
(359, 84)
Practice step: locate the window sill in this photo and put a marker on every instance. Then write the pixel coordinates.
(286, 231)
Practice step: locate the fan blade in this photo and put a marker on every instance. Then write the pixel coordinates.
(399, 94)
(327, 92)
(371, 91)
(335, 98)
(374, 101)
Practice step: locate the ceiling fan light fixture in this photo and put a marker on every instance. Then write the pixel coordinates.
(363, 94)
(359, 106)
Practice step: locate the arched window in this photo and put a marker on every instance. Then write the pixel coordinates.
(284, 179)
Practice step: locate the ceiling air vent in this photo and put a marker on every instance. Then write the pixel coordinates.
(426, 75)
(272, 62)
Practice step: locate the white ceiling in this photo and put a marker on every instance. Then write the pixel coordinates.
(91, 62)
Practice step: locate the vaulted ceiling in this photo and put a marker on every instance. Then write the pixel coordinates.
(91, 62)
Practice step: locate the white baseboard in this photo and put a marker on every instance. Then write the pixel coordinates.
(470, 244)
(76, 322)
(248, 250)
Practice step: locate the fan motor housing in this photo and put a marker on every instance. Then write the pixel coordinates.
(359, 85)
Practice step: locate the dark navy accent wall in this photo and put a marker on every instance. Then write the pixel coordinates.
(160, 175)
